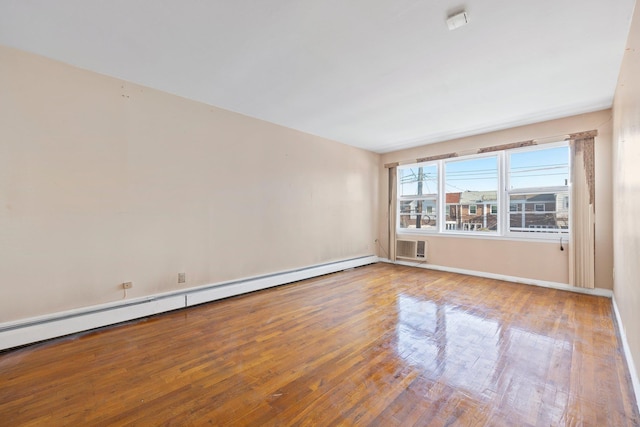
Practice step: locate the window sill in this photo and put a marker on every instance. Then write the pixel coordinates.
(555, 238)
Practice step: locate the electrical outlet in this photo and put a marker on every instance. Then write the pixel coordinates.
(182, 277)
(127, 285)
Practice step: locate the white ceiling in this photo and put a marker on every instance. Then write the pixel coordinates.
(377, 74)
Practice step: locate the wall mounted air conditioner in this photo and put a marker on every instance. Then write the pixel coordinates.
(411, 249)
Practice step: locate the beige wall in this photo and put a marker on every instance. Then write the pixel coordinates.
(626, 161)
(103, 182)
(525, 259)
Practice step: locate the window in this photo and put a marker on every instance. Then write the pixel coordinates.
(538, 185)
(522, 192)
(417, 197)
(471, 186)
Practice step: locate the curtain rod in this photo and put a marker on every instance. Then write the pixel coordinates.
(538, 141)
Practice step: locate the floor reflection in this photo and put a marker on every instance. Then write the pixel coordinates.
(479, 355)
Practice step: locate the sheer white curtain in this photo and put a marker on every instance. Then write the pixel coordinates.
(393, 190)
(582, 243)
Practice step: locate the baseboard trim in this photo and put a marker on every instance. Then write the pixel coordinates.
(545, 284)
(35, 329)
(212, 293)
(633, 373)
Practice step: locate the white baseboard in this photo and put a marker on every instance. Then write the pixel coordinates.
(633, 373)
(545, 284)
(212, 293)
(28, 331)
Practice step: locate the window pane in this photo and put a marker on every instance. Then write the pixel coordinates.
(417, 194)
(472, 188)
(418, 213)
(539, 168)
(539, 213)
(416, 181)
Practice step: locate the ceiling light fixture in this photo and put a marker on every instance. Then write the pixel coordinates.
(457, 20)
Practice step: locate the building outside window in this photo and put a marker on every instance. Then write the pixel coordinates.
(538, 184)
(471, 188)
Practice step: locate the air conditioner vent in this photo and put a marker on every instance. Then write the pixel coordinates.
(421, 249)
(411, 249)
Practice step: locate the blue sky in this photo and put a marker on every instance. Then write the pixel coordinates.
(542, 168)
(539, 168)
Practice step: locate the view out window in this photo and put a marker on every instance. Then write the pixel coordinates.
(520, 192)
(417, 197)
(538, 187)
(471, 187)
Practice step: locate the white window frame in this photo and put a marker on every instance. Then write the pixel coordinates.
(498, 155)
(425, 197)
(519, 235)
(502, 203)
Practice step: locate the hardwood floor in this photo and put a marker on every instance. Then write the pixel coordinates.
(379, 345)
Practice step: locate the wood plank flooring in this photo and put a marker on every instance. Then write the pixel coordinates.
(380, 345)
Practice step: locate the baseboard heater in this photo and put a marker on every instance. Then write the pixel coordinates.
(28, 331)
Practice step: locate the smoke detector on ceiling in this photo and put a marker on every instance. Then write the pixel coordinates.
(458, 20)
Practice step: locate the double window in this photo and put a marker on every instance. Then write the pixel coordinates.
(520, 192)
